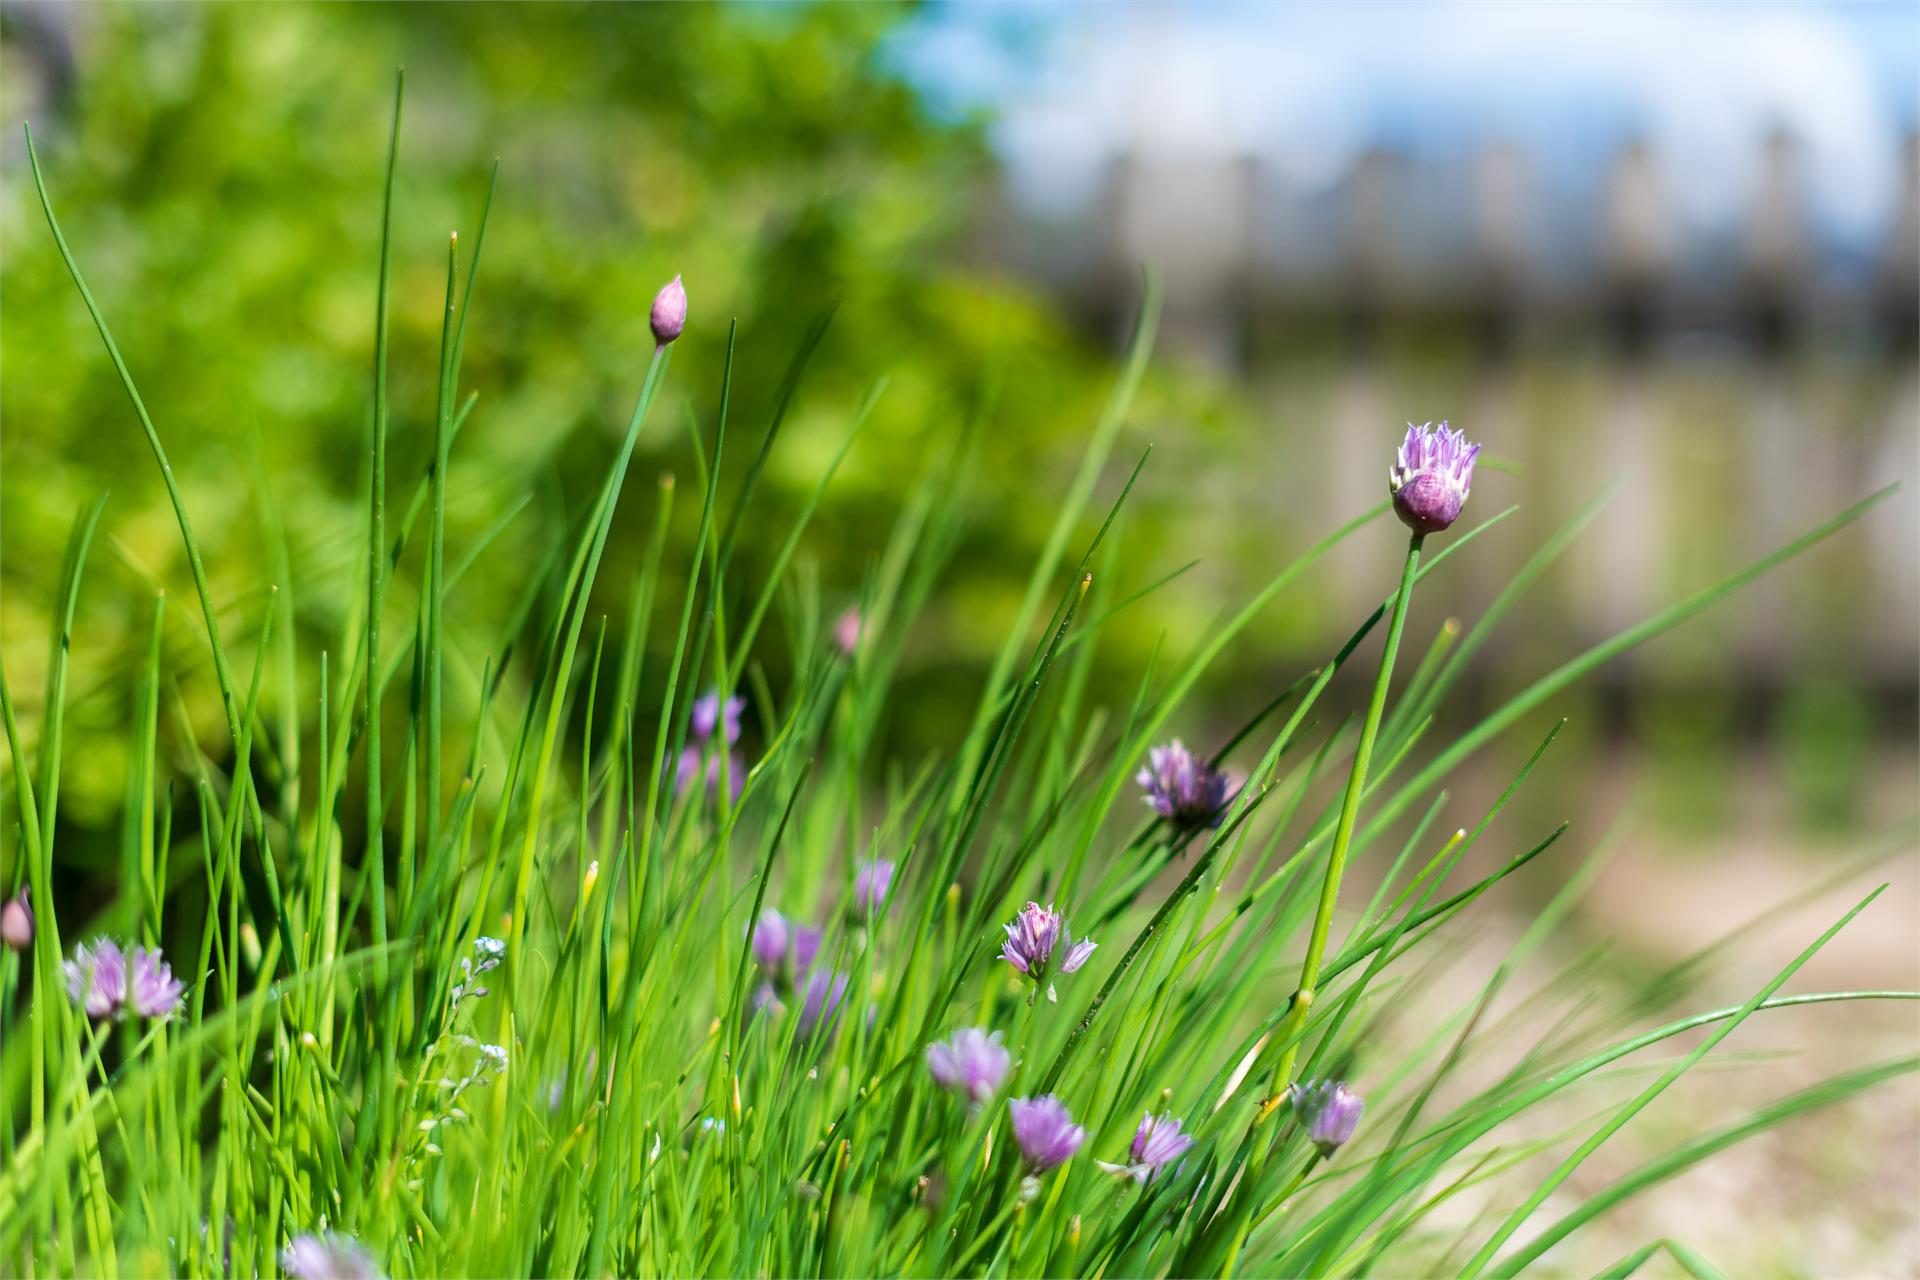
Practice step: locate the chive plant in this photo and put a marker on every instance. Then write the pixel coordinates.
(743, 996)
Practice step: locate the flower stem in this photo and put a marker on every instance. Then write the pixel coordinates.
(1228, 1232)
(1343, 833)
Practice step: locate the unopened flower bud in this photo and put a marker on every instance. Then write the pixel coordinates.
(16, 922)
(846, 631)
(1330, 1111)
(669, 314)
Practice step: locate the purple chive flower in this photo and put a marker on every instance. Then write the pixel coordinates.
(806, 945)
(97, 978)
(1430, 479)
(1157, 1143)
(1033, 937)
(847, 631)
(16, 921)
(871, 885)
(1045, 1130)
(971, 1062)
(1183, 788)
(152, 990)
(109, 983)
(771, 937)
(784, 951)
(825, 991)
(669, 314)
(706, 717)
(328, 1257)
(1330, 1112)
(686, 771)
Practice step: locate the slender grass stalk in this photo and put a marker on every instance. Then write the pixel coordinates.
(436, 584)
(376, 547)
(1349, 813)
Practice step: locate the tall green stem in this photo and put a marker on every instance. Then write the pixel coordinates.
(1232, 1227)
(376, 554)
(1349, 813)
(437, 566)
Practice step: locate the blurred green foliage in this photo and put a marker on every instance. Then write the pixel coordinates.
(217, 170)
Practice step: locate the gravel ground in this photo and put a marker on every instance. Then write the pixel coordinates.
(1833, 1193)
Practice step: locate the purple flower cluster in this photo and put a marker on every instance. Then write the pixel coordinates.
(1432, 476)
(783, 949)
(973, 1064)
(109, 983)
(707, 717)
(1033, 937)
(785, 952)
(1329, 1110)
(1184, 789)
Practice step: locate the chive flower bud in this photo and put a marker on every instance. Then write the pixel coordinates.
(1431, 477)
(669, 314)
(846, 631)
(1330, 1111)
(16, 921)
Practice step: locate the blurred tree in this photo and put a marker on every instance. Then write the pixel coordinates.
(217, 169)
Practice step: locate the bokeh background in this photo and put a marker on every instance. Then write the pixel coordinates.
(1668, 249)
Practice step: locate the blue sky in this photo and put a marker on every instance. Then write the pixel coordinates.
(1305, 87)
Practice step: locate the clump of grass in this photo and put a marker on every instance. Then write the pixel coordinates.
(738, 995)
